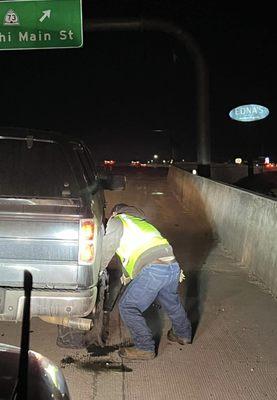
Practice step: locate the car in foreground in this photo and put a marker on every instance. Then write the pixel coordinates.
(46, 380)
(25, 374)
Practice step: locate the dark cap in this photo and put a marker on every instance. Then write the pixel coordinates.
(117, 208)
(123, 208)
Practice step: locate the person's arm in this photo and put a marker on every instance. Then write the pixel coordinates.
(111, 240)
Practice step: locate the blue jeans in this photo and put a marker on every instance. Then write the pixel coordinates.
(155, 282)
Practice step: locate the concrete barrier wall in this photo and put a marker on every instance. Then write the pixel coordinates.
(229, 173)
(244, 222)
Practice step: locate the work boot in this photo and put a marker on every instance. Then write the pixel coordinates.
(133, 354)
(174, 338)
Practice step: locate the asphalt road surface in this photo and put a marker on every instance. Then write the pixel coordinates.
(233, 355)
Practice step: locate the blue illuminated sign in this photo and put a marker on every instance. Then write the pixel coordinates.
(249, 113)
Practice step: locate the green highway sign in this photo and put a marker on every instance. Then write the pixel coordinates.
(40, 24)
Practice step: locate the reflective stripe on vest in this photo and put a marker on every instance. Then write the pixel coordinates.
(138, 236)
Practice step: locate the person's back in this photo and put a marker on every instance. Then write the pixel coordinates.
(147, 259)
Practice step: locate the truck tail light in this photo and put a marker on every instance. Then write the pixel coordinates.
(86, 245)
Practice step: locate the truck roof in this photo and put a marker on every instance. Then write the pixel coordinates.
(19, 132)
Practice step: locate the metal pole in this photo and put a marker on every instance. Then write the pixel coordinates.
(171, 29)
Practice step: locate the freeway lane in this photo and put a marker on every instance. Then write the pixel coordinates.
(234, 352)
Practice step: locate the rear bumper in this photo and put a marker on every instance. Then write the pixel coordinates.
(49, 303)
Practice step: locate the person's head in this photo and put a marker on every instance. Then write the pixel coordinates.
(123, 208)
(117, 208)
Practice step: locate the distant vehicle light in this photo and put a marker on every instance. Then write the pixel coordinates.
(238, 161)
(266, 160)
(143, 165)
(249, 113)
(109, 162)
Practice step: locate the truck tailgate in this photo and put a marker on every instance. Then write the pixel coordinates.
(41, 234)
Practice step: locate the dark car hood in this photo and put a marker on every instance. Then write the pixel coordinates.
(45, 380)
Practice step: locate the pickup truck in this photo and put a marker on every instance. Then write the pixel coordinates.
(51, 223)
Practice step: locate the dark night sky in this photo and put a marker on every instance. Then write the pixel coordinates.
(120, 87)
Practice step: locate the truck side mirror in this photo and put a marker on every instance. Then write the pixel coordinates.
(113, 182)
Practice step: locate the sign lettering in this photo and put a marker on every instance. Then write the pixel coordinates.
(249, 113)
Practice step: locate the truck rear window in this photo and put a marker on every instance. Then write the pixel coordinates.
(36, 168)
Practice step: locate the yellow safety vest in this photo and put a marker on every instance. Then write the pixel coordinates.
(138, 236)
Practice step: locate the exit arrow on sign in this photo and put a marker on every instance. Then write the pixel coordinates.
(46, 14)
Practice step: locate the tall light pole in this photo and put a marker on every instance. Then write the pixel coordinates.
(201, 70)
